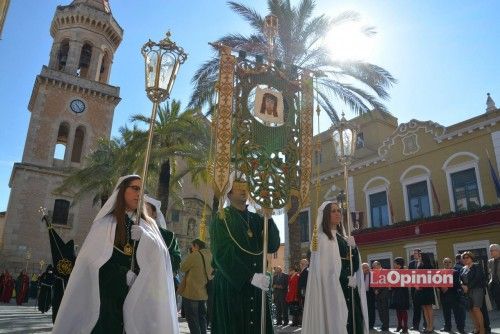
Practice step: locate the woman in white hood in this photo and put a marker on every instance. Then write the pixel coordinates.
(328, 300)
(103, 295)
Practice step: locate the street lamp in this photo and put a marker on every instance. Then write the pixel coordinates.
(162, 61)
(344, 136)
(344, 139)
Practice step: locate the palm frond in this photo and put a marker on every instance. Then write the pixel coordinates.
(250, 15)
(253, 43)
(369, 30)
(375, 77)
(347, 16)
(300, 42)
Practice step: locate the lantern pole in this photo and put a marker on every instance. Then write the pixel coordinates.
(344, 138)
(271, 31)
(162, 61)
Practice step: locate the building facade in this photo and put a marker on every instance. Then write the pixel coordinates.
(277, 259)
(184, 216)
(417, 185)
(72, 105)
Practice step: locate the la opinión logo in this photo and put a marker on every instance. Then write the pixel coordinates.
(415, 278)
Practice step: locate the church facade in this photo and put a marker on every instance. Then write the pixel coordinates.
(72, 105)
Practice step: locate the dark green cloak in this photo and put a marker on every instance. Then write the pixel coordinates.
(344, 280)
(237, 303)
(173, 248)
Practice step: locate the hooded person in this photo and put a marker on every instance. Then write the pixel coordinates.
(103, 295)
(153, 206)
(22, 288)
(236, 244)
(328, 307)
(46, 282)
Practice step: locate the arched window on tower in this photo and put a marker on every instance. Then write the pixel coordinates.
(76, 153)
(103, 75)
(84, 63)
(61, 212)
(62, 56)
(62, 141)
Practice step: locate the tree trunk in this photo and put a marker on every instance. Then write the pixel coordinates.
(164, 185)
(215, 205)
(104, 198)
(294, 234)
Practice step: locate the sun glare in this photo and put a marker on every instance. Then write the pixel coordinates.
(348, 42)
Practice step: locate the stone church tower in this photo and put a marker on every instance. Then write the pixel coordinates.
(72, 105)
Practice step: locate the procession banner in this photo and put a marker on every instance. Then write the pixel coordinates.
(414, 278)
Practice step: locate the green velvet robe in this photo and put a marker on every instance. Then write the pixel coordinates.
(112, 289)
(173, 248)
(237, 303)
(344, 280)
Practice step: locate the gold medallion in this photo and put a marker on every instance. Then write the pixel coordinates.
(64, 266)
(127, 249)
(250, 233)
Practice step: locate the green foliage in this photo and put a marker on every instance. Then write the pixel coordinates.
(176, 135)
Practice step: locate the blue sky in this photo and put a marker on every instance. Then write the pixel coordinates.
(444, 55)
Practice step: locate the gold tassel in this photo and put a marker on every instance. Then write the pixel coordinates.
(314, 242)
(203, 229)
(221, 213)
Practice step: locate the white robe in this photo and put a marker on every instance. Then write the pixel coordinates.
(150, 305)
(325, 308)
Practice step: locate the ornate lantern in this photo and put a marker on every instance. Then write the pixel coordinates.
(162, 61)
(344, 140)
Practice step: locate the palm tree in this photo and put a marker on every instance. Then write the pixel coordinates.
(110, 159)
(357, 85)
(197, 159)
(176, 136)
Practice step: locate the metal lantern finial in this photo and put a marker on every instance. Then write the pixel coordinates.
(344, 139)
(162, 62)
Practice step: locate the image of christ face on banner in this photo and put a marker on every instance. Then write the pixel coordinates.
(269, 105)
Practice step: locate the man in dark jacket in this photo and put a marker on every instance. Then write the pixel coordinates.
(416, 263)
(382, 296)
(370, 296)
(280, 288)
(450, 300)
(494, 273)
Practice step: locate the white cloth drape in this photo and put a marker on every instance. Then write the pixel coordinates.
(150, 305)
(160, 218)
(325, 308)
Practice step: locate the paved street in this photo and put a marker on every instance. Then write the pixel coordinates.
(27, 319)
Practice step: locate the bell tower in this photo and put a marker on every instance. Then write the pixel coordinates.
(72, 106)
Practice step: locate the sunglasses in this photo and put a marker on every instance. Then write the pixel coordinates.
(135, 188)
(336, 210)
